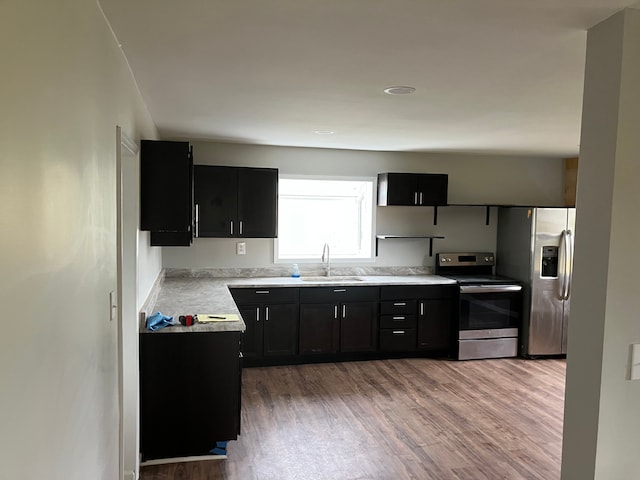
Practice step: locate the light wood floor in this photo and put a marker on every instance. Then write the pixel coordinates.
(394, 419)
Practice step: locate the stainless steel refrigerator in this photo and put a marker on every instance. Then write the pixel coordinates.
(535, 246)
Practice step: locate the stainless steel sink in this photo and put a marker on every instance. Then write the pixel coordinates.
(332, 279)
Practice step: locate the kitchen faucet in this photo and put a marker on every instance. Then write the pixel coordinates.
(325, 255)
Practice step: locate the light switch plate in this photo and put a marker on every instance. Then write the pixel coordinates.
(113, 306)
(241, 248)
(634, 362)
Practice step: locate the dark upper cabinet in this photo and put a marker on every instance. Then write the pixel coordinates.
(236, 201)
(166, 191)
(412, 189)
(216, 200)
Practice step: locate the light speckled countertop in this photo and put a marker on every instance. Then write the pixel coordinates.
(182, 295)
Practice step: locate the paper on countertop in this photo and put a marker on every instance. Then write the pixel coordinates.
(217, 317)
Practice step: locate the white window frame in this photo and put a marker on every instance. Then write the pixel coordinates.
(335, 259)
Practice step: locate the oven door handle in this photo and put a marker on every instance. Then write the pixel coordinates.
(490, 288)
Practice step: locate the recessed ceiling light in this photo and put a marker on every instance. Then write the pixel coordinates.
(399, 90)
(324, 132)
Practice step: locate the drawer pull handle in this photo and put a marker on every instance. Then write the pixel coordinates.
(262, 291)
(338, 290)
(399, 318)
(398, 332)
(400, 304)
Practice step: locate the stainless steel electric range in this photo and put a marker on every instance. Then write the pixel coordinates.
(490, 308)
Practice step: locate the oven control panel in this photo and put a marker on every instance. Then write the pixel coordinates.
(466, 259)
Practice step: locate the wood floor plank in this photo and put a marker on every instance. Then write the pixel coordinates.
(394, 419)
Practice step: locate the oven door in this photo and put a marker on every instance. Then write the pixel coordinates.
(490, 307)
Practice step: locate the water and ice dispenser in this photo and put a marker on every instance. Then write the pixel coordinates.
(549, 262)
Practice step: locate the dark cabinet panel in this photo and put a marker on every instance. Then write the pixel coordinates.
(271, 319)
(338, 319)
(398, 321)
(339, 294)
(358, 327)
(429, 325)
(251, 345)
(319, 328)
(166, 191)
(280, 329)
(412, 189)
(435, 323)
(397, 340)
(215, 192)
(258, 202)
(178, 373)
(236, 201)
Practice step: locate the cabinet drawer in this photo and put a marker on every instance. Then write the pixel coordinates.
(252, 296)
(337, 294)
(397, 292)
(397, 340)
(398, 307)
(397, 321)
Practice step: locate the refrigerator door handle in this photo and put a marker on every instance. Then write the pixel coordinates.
(564, 241)
(568, 263)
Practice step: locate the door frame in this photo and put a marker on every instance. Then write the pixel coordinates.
(127, 220)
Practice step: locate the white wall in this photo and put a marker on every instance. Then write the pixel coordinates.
(602, 423)
(472, 179)
(64, 87)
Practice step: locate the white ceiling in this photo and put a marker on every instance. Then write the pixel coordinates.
(491, 76)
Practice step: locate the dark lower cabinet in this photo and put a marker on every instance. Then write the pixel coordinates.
(435, 324)
(358, 327)
(319, 329)
(418, 318)
(338, 320)
(271, 319)
(190, 392)
(280, 330)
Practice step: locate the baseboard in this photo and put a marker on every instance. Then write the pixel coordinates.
(198, 458)
(130, 476)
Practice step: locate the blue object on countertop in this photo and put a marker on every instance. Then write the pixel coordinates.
(158, 321)
(296, 271)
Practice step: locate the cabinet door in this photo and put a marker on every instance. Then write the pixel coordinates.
(251, 345)
(435, 324)
(432, 188)
(280, 329)
(397, 189)
(319, 328)
(203, 369)
(358, 327)
(166, 190)
(258, 202)
(216, 199)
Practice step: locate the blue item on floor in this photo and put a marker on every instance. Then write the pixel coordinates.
(158, 321)
(220, 448)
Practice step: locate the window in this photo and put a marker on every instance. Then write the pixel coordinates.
(312, 212)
